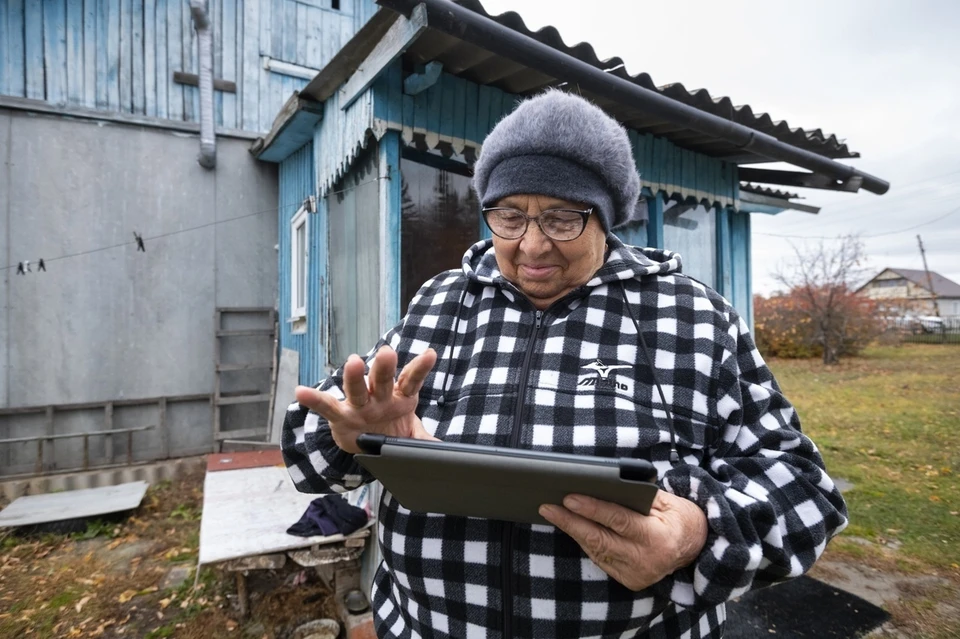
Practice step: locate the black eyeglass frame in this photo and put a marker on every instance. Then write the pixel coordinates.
(584, 216)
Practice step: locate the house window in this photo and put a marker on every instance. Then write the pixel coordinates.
(440, 218)
(299, 254)
(335, 5)
(892, 283)
(690, 229)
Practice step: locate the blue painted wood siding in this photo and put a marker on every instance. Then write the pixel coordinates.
(297, 182)
(120, 55)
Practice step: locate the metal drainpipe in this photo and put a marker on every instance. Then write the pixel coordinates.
(208, 135)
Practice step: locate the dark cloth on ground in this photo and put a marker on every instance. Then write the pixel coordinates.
(329, 515)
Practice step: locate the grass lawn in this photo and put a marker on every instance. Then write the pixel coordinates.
(889, 423)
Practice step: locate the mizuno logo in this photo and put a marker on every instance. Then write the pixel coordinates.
(602, 369)
(603, 375)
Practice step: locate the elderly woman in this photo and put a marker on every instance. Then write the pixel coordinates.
(556, 336)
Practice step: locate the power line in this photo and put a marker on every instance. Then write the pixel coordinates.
(193, 228)
(824, 237)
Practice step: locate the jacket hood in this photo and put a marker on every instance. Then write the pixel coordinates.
(623, 262)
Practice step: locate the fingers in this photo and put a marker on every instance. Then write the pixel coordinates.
(420, 432)
(623, 521)
(382, 371)
(319, 402)
(598, 542)
(415, 373)
(354, 384)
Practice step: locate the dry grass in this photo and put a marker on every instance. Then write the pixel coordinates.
(889, 422)
(54, 586)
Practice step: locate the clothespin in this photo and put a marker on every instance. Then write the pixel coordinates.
(20, 270)
(41, 266)
(139, 239)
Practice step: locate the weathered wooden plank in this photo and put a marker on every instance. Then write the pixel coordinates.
(395, 85)
(483, 111)
(216, 22)
(103, 63)
(470, 131)
(191, 96)
(89, 91)
(434, 105)
(277, 26)
(175, 92)
(55, 50)
(162, 70)
(150, 58)
(7, 63)
(73, 504)
(290, 42)
(302, 36)
(229, 29)
(459, 130)
(5, 66)
(74, 52)
(126, 56)
(391, 210)
(448, 89)
(35, 73)
(496, 107)
(12, 49)
(246, 513)
(250, 87)
(193, 80)
(347, 31)
(398, 38)
(316, 38)
(137, 79)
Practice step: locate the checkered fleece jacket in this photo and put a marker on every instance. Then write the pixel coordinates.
(510, 376)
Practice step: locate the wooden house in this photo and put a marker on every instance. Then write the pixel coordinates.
(375, 159)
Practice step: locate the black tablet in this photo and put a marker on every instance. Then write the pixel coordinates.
(492, 482)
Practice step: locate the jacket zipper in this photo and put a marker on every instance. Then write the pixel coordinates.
(506, 558)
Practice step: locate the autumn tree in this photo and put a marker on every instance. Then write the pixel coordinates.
(821, 283)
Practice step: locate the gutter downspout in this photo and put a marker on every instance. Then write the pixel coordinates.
(486, 33)
(208, 135)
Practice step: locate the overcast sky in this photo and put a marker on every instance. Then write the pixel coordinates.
(884, 75)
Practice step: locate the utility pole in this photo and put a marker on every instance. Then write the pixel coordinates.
(933, 293)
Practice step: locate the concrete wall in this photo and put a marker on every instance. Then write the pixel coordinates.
(106, 322)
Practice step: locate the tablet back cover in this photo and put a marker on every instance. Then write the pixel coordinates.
(496, 487)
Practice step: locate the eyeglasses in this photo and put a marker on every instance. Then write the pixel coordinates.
(561, 225)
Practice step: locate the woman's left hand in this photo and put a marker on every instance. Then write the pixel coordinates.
(636, 550)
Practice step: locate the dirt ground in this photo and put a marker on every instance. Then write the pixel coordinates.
(134, 578)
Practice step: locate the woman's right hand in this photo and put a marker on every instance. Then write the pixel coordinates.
(384, 406)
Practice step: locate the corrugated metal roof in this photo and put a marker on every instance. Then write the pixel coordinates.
(481, 66)
(942, 286)
(763, 190)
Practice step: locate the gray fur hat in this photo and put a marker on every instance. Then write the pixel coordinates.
(563, 146)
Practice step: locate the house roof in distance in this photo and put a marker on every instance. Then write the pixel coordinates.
(942, 286)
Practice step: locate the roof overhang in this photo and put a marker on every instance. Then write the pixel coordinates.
(500, 51)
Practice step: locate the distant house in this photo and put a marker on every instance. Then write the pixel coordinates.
(904, 291)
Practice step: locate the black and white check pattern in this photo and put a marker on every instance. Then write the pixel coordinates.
(770, 505)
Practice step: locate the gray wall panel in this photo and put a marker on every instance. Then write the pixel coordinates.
(107, 322)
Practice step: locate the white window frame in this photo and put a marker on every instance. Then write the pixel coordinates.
(298, 307)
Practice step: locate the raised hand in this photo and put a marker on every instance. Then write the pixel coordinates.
(385, 407)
